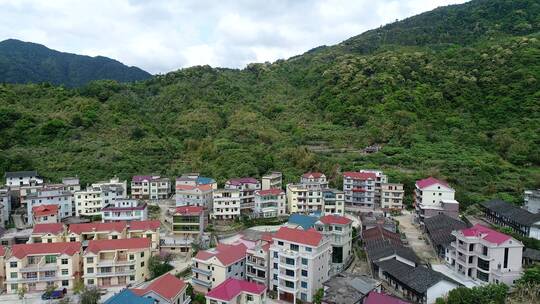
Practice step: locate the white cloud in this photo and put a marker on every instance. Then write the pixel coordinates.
(160, 35)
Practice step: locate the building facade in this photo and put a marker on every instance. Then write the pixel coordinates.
(226, 204)
(152, 187)
(194, 195)
(124, 210)
(508, 215)
(235, 291)
(116, 262)
(273, 180)
(334, 201)
(270, 203)
(44, 214)
(380, 179)
(50, 195)
(338, 231)
(189, 222)
(91, 201)
(39, 265)
(531, 200)
(5, 206)
(432, 197)
(17, 179)
(300, 263)
(392, 195)
(486, 255)
(314, 179)
(305, 198)
(257, 262)
(247, 187)
(359, 188)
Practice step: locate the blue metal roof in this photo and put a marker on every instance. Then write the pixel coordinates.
(127, 296)
(305, 221)
(201, 180)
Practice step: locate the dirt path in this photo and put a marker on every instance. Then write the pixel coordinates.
(415, 238)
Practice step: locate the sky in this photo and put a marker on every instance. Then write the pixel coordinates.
(165, 35)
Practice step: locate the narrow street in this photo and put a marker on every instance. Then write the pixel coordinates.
(415, 238)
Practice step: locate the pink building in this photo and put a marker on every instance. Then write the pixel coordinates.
(234, 291)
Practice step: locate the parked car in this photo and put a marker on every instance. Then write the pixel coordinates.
(55, 294)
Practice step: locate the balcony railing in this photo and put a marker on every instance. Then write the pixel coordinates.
(201, 271)
(201, 282)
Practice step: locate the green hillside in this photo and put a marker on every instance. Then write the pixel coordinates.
(25, 62)
(464, 106)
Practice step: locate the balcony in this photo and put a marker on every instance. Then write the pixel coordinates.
(256, 264)
(201, 282)
(201, 271)
(283, 275)
(284, 288)
(123, 272)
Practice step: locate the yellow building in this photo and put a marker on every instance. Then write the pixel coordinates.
(116, 262)
(36, 266)
(145, 229)
(48, 233)
(96, 231)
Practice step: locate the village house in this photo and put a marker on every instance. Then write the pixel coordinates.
(334, 201)
(439, 229)
(359, 188)
(432, 197)
(270, 203)
(257, 262)
(314, 180)
(89, 202)
(5, 206)
(48, 233)
(189, 222)
(152, 187)
(85, 232)
(518, 219)
(305, 198)
(338, 231)
(235, 291)
(392, 195)
(145, 229)
(380, 180)
(194, 195)
(486, 255)
(39, 265)
(195, 179)
(226, 204)
(50, 195)
(14, 180)
(213, 266)
(43, 214)
(247, 187)
(167, 289)
(116, 262)
(300, 263)
(273, 180)
(531, 200)
(124, 210)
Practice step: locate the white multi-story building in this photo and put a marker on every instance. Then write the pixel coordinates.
(334, 201)
(270, 203)
(532, 201)
(305, 198)
(71, 184)
(150, 187)
(5, 206)
(257, 262)
(338, 230)
(314, 180)
(89, 202)
(50, 195)
(359, 188)
(194, 179)
(273, 180)
(124, 210)
(18, 179)
(194, 195)
(226, 204)
(212, 267)
(380, 179)
(392, 196)
(432, 197)
(300, 263)
(247, 187)
(485, 255)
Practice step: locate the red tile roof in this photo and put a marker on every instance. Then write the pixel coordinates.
(22, 250)
(269, 192)
(335, 219)
(167, 286)
(232, 287)
(486, 233)
(96, 246)
(226, 254)
(144, 225)
(307, 237)
(360, 175)
(379, 233)
(267, 236)
(97, 226)
(426, 182)
(201, 187)
(189, 210)
(243, 180)
(53, 228)
(313, 175)
(43, 210)
(381, 298)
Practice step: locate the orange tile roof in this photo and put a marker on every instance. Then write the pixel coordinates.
(144, 225)
(307, 237)
(97, 226)
(22, 250)
(226, 254)
(53, 228)
(335, 219)
(43, 210)
(96, 246)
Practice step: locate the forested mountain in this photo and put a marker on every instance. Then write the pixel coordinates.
(25, 62)
(452, 93)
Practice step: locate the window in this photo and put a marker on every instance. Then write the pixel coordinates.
(14, 287)
(142, 264)
(289, 261)
(13, 275)
(131, 267)
(72, 239)
(303, 284)
(289, 272)
(485, 250)
(90, 260)
(49, 259)
(132, 257)
(304, 261)
(275, 266)
(142, 254)
(275, 254)
(294, 247)
(64, 261)
(90, 281)
(65, 283)
(506, 257)
(304, 273)
(275, 276)
(65, 272)
(13, 264)
(308, 249)
(114, 237)
(303, 296)
(289, 284)
(280, 243)
(90, 270)
(132, 278)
